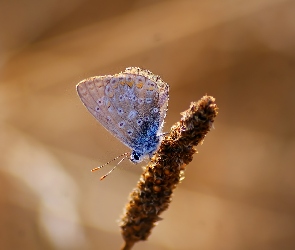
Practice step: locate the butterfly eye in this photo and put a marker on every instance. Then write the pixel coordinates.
(135, 157)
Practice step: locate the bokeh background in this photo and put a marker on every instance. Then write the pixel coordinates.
(239, 191)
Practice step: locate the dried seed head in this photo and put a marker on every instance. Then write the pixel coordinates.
(154, 190)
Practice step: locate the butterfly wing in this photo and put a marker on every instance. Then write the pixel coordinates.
(154, 90)
(127, 104)
(95, 94)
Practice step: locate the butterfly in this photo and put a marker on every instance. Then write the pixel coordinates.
(132, 106)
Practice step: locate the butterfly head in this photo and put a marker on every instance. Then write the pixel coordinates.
(136, 157)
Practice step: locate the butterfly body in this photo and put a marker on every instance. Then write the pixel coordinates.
(131, 105)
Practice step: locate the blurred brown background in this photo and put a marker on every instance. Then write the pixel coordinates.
(239, 192)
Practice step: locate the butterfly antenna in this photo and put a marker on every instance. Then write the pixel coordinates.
(125, 156)
(92, 170)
